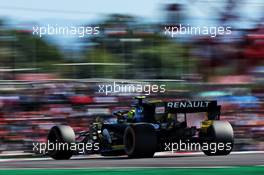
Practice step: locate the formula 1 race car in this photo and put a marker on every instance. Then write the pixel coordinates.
(146, 129)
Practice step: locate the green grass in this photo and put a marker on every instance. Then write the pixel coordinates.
(138, 171)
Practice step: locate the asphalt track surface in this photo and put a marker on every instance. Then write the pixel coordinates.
(251, 159)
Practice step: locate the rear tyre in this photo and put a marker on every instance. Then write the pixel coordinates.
(140, 141)
(61, 134)
(220, 139)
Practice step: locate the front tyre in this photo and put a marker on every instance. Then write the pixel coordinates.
(61, 135)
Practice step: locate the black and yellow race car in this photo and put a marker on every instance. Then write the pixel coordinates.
(149, 127)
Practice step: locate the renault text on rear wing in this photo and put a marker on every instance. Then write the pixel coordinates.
(191, 106)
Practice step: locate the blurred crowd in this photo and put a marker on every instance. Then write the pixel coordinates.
(28, 112)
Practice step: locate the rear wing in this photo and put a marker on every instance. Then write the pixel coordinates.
(192, 107)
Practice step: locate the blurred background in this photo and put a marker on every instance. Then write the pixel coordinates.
(54, 79)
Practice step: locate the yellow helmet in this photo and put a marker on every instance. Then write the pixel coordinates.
(131, 114)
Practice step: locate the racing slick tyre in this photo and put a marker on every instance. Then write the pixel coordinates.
(220, 135)
(140, 140)
(63, 135)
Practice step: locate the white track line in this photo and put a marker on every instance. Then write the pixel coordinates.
(201, 153)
